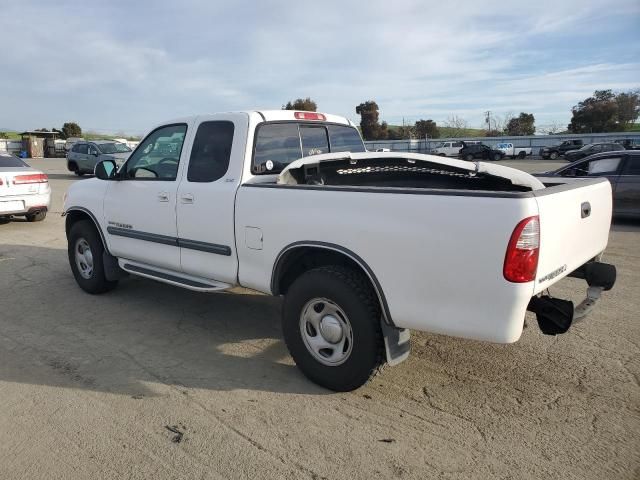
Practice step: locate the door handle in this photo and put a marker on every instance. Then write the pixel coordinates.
(186, 198)
(163, 197)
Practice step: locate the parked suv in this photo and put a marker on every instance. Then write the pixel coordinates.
(556, 151)
(479, 151)
(590, 149)
(83, 156)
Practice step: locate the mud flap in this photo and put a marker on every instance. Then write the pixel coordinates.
(553, 314)
(112, 270)
(396, 343)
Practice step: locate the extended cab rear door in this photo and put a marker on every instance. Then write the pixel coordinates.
(206, 197)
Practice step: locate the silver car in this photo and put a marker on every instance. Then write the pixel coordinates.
(84, 155)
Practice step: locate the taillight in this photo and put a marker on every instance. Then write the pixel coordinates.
(309, 116)
(32, 178)
(521, 260)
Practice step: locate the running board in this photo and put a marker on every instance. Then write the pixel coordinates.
(174, 278)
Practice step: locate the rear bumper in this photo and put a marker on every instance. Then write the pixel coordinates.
(21, 205)
(555, 316)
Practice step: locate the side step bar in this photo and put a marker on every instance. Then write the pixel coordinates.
(555, 315)
(174, 278)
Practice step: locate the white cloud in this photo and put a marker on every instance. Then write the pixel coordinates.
(129, 65)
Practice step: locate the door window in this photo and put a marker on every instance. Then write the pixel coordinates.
(457, 145)
(82, 148)
(211, 151)
(93, 150)
(633, 165)
(158, 155)
(594, 168)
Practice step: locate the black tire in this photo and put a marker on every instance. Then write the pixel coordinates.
(36, 217)
(468, 157)
(352, 292)
(96, 283)
(553, 155)
(79, 173)
(521, 155)
(495, 157)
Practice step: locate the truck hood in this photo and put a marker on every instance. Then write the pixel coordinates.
(517, 177)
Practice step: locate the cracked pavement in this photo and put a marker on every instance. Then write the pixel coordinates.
(94, 386)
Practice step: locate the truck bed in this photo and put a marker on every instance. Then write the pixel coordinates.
(436, 249)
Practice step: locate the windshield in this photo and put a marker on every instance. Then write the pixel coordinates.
(439, 145)
(586, 147)
(502, 145)
(9, 161)
(115, 147)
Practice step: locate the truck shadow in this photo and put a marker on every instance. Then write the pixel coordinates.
(140, 334)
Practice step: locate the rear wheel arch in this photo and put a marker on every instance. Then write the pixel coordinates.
(300, 257)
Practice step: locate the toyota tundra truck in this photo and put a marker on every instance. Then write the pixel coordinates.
(363, 246)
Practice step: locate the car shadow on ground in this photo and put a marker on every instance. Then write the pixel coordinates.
(142, 333)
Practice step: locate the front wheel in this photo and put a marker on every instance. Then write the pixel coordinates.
(331, 325)
(85, 251)
(553, 155)
(468, 157)
(495, 157)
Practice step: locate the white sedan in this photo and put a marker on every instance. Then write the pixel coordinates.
(24, 191)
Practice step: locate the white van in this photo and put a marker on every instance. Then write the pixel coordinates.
(449, 149)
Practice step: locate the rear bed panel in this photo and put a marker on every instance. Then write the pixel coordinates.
(437, 257)
(569, 237)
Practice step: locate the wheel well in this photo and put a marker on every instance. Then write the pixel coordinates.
(296, 261)
(75, 216)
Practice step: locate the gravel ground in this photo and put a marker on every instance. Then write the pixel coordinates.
(152, 381)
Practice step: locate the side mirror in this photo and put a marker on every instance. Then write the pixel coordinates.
(105, 170)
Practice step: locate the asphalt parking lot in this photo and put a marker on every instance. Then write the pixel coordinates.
(151, 381)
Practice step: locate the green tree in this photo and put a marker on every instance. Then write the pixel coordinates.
(369, 125)
(302, 104)
(628, 108)
(523, 124)
(71, 129)
(426, 128)
(596, 114)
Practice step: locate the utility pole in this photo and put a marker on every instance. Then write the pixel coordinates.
(488, 118)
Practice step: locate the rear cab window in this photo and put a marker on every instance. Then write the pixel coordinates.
(278, 144)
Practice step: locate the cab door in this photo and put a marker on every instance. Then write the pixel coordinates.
(627, 194)
(140, 206)
(206, 197)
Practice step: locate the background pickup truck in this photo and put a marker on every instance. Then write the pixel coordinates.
(362, 245)
(556, 151)
(514, 152)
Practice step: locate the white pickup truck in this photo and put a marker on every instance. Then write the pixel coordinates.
(514, 152)
(362, 245)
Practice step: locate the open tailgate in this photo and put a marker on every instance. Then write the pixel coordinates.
(574, 227)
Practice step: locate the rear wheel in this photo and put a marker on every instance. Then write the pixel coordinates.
(468, 157)
(331, 325)
(85, 251)
(553, 155)
(495, 157)
(522, 155)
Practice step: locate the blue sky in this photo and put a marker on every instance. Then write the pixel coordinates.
(123, 66)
